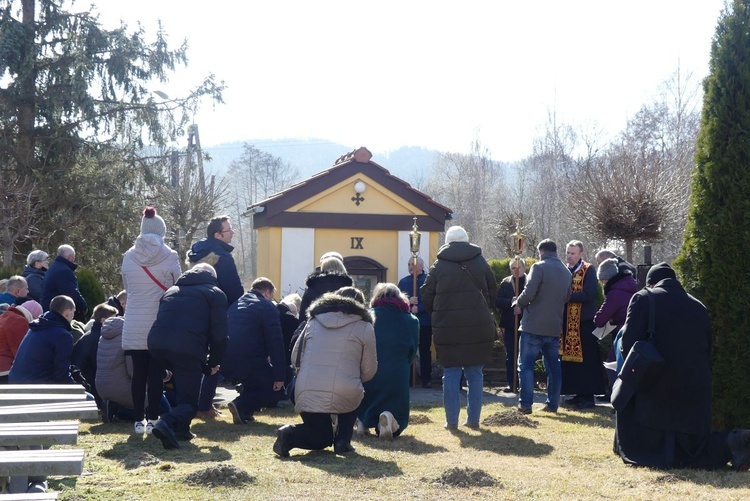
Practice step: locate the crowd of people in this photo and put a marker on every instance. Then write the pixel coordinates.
(155, 353)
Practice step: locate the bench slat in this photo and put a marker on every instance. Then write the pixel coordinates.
(44, 462)
(54, 411)
(39, 398)
(42, 388)
(29, 496)
(39, 436)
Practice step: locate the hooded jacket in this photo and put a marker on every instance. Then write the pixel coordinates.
(338, 354)
(219, 255)
(143, 293)
(192, 319)
(459, 291)
(44, 354)
(114, 370)
(320, 282)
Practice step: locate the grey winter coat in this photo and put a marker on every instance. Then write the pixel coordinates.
(113, 369)
(459, 291)
(338, 355)
(544, 297)
(143, 293)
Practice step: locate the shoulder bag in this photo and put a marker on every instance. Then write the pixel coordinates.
(643, 363)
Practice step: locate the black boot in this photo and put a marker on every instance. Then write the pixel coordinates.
(283, 443)
(343, 447)
(739, 446)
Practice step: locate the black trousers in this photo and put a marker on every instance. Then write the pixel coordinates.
(148, 377)
(187, 375)
(316, 430)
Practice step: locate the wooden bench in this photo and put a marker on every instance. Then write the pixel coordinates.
(41, 462)
(85, 409)
(42, 388)
(45, 433)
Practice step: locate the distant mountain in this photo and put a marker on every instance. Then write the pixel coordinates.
(309, 156)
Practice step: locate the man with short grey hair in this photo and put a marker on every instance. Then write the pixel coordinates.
(16, 289)
(61, 279)
(406, 285)
(542, 301)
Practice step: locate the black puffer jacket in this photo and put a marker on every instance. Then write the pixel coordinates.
(458, 292)
(318, 284)
(192, 319)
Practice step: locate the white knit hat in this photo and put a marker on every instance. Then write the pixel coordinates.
(456, 234)
(151, 223)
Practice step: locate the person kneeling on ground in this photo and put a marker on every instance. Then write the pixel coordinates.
(340, 335)
(189, 337)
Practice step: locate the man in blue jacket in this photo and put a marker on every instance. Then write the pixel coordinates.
(189, 336)
(216, 251)
(44, 354)
(61, 279)
(406, 285)
(255, 355)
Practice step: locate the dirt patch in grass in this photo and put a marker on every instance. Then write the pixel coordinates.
(419, 419)
(466, 477)
(220, 475)
(138, 459)
(509, 418)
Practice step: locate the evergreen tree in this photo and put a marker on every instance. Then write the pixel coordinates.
(717, 235)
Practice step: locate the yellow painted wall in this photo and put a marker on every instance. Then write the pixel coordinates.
(380, 245)
(269, 254)
(338, 199)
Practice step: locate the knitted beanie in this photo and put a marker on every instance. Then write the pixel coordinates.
(607, 269)
(151, 223)
(33, 307)
(456, 234)
(659, 272)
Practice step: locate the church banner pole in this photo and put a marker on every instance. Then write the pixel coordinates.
(415, 239)
(518, 237)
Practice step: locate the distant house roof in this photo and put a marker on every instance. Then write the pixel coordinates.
(272, 210)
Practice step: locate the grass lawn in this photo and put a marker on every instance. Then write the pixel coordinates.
(566, 456)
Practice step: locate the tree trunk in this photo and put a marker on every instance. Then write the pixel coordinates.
(26, 143)
(629, 250)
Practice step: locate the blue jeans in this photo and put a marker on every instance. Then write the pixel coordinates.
(529, 346)
(452, 387)
(619, 355)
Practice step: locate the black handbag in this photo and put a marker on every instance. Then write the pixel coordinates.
(643, 363)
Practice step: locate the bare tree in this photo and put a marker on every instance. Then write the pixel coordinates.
(18, 211)
(253, 177)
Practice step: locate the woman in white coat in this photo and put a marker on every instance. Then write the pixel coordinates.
(148, 269)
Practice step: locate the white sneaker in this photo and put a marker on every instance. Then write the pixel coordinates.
(140, 428)
(150, 426)
(385, 425)
(360, 427)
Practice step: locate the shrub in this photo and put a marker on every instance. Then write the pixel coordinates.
(90, 287)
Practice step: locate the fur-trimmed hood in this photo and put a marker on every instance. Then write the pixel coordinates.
(332, 277)
(335, 311)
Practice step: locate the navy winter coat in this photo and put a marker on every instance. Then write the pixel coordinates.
(406, 285)
(192, 319)
(219, 255)
(60, 279)
(84, 354)
(254, 335)
(44, 354)
(35, 278)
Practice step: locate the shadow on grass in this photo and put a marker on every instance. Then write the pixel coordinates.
(352, 466)
(403, 443)
(124, 452)
(724, 478)
(599, 416)
(509, 445)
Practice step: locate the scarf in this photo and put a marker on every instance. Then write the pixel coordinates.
(394, 302)
(571, 349)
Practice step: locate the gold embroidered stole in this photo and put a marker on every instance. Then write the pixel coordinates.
(570, 348)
